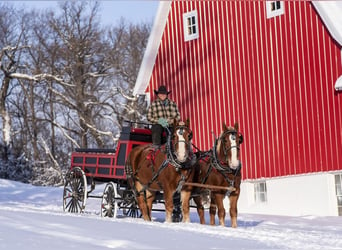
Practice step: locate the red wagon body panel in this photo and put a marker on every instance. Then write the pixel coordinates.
(109, 163)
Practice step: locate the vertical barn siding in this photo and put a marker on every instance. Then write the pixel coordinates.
(274, 76)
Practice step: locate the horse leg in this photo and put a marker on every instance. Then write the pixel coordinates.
(141, 198)
(168, 198)
(220, 207)
(185, 198)
(233, 198)
(150, 196)
(177, 207)
(200, 208)
(212, 209)
(143, 207)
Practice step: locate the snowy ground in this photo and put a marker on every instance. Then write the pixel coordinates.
(33, 218)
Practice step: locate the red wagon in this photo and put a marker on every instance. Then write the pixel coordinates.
(89, 166)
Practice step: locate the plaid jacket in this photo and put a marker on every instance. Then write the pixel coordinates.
(159, 109)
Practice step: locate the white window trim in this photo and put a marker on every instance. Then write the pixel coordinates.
(273, 13)
(257, 193)
(186, 15)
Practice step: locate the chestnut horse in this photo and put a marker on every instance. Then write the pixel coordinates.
(219, 170)
(150, 168)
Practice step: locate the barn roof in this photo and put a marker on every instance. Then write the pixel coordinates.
(152, 48)
(329, 11)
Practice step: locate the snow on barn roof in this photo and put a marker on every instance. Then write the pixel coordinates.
(329, 11)
(331, 14)
(152, 48)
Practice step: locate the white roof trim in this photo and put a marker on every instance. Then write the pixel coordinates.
(151, 51)
(338, 84)
(331, 14)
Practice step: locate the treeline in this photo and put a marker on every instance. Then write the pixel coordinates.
(66, 82)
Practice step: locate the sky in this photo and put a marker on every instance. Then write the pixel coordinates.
(111, 10)
(32, 218)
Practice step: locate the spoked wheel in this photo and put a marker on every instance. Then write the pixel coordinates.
(130, 205)
(75, 191)
(109, 204)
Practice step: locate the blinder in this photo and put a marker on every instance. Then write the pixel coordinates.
(181, 131)
(240, 138)
(234, 134)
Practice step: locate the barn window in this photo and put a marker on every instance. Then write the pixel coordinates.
(338, 187)
(274, 8)
(190, 23)
(260, 192)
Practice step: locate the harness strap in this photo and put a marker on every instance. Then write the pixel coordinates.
(229, 181)
(182, 180)
(155, 176)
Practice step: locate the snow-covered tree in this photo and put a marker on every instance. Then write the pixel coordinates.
(65, 82)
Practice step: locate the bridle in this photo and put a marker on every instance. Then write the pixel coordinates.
(171, 145)
(234, 134)
(224, 166)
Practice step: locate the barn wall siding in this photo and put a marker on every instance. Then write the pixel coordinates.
(274, 76)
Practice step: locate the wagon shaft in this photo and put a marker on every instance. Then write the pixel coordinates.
(231, 189)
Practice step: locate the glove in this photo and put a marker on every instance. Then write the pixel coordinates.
(163, 122)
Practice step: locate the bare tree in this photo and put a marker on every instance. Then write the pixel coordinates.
(127, 43)
(66, 82)
(12, 46)
(82, 54)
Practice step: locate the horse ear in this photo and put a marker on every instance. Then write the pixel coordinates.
(224, 126)
(187, 122)
(236, 126)
(174, 123)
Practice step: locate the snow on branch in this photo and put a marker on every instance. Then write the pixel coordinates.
(67, 136)
(63, 97)
(40, 77)
(96, 74)
(130, 98)
(91, 127)
(48, 152)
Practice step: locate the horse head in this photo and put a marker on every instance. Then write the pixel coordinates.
(228, 146)
(181, 141)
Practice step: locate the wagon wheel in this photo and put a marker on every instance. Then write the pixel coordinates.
(130, 205)
(109, 204)
(75, 191)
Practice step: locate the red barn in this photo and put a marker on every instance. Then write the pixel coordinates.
(274, 67)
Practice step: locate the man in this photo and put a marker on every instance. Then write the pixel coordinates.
(161, 113)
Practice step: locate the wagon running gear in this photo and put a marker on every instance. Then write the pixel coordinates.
(163, 122)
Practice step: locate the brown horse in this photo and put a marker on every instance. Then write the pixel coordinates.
(150, 168)
(219, 170)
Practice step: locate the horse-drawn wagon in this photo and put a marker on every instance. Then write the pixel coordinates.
(138, 173)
